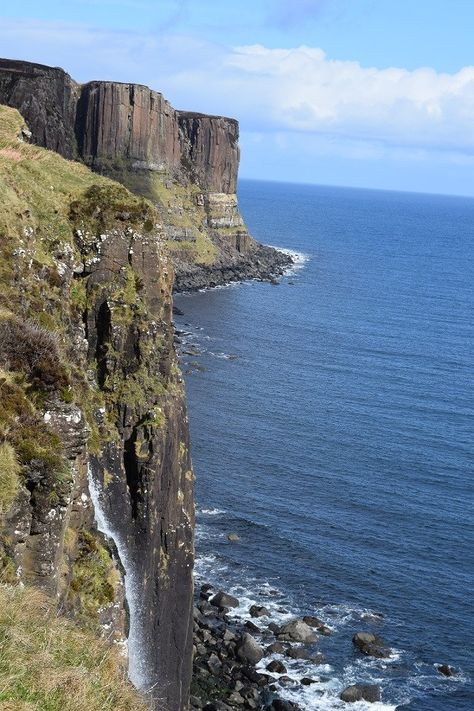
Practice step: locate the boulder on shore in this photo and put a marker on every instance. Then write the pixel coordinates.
(276, 667)
(370, 644)
(248, 649)
(297, 631)
(361, 692)
(259, 611)
(222, 599)
(312, 621)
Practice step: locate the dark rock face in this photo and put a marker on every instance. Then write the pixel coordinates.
(46, 97)
(186, 163)
(148, 495)
(210, 147)
(126, 122)
(111, 421)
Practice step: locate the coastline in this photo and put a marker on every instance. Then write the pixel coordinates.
(304, 683)
(286, 674)
(262, 263)
(253, 654)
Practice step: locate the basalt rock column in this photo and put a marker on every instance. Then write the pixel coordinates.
(126, 126)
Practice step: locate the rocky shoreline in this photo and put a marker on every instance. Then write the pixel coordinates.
(262, 263)
(241, 665)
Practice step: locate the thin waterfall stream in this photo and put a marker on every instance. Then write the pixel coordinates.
(136, 642)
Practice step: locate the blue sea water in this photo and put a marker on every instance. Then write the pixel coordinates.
(332, 421)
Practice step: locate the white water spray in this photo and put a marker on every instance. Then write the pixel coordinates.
(136, 647)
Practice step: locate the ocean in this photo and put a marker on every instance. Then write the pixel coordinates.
(331, 421)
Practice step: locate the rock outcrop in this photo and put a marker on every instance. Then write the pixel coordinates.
(47, 99)
(186, 163)
(96, 483)
(126, 122)
(210, 151)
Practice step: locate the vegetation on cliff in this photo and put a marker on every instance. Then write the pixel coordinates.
(48, 664)
(89, 386)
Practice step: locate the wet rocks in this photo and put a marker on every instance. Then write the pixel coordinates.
(252, 626)
(361, 692)
(225, 654)
(297, 631)
(317, 624)
(298, 653)
(222, 599)
(371, 645)
(230, 669)
(261, 262)
(446, 670)
(276, 667)
(312, 621)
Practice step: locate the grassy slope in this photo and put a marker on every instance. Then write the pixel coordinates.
(46, 662)
(178, 207)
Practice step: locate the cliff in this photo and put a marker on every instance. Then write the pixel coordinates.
(185, 163)
(96, 500)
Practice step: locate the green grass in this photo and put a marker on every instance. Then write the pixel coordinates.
(94, 577)
(48, 664)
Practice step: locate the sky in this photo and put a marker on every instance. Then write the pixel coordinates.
(363, 93)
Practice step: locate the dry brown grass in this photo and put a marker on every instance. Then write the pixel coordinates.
(11, 153)
(48, 664)
(9, 476)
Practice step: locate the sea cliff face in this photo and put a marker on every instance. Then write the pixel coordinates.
(186, 163)
(96, 502)
(96, 481)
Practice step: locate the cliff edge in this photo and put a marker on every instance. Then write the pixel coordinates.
(185, 163)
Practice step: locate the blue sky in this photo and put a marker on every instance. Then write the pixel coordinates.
(369, 93)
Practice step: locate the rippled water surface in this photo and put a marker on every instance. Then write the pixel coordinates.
(332, 422)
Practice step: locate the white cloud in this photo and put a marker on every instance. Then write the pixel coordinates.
(298, 90)
(301, 89)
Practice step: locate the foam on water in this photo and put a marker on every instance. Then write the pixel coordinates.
(299, 259)
(212, 512)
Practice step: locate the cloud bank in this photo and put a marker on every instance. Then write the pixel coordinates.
(270, 90)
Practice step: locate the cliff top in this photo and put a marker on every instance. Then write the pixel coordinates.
(24, 67)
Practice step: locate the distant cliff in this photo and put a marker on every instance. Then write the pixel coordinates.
(186, 163)
(96, 482)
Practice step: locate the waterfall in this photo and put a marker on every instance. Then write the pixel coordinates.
(137, 671)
